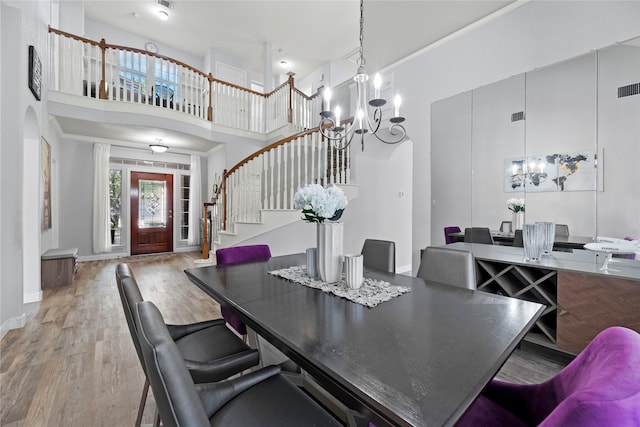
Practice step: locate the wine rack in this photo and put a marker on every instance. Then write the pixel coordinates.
(527, 283)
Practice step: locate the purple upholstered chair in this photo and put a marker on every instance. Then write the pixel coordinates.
(600, 387)
(240, 255)
(448, 230)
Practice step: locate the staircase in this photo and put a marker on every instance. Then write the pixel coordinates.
(256, 196)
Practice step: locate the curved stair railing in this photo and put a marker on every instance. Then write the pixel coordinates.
(99, 70)
(268, 179)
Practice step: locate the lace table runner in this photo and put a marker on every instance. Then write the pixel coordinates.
(370, 294)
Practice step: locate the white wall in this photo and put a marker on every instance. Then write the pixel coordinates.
(23, 24)
(96, 30)
(535, 34)
(11, 243)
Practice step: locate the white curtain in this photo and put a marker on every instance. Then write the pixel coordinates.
(195, 202)
(101, 203)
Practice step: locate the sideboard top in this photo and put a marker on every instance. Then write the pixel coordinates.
(579, 261)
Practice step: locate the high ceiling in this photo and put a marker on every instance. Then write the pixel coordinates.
(305, 33)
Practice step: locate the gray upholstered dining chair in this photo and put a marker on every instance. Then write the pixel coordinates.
(454, 267)
(562, 230)
(379, 255)
(506, 226)
(210, 350)
(517, 239)
(260, 398)
(478, 235)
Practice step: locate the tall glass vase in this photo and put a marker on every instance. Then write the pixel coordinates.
(517, 220)
(330, 251)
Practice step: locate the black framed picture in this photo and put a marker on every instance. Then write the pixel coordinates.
(35, 72)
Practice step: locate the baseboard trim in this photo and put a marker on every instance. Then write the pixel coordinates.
(116, 255)
(404, 269)
(13, 323)
(32, 297)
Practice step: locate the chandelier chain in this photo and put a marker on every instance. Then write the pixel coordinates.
(361, 60)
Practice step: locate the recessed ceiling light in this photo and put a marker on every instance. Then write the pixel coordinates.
(283, 63)
(163, 15)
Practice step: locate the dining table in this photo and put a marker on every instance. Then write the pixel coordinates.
(416, 359)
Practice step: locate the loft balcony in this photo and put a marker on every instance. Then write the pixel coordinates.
(99, 87)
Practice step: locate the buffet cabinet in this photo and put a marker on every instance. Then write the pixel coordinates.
(580, 299)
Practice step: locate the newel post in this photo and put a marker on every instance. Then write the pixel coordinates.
(210, 109)
(103, 83)
(224, 199)
(290, 99)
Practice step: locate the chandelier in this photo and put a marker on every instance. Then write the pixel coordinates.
(330, 125)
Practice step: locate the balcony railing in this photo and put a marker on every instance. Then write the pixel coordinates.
(99, 70)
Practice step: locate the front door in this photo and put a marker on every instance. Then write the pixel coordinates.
(151, 213)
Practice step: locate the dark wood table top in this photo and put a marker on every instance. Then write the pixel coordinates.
(562, 242)
(418, 359)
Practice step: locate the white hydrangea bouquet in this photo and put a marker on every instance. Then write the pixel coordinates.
(319, 204)
(515, 205)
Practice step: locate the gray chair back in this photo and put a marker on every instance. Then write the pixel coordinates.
(379, 255)
(517, 239)
(130, 295)
(478, 235)
(562, 230)
(453, 267)
(506, 226)
(173, 389)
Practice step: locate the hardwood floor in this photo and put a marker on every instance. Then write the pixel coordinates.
(74, 363)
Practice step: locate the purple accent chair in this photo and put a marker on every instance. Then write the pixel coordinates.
(600, 387)
(240, 255)
(448, 230)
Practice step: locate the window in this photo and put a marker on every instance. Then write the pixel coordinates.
(115, 202)
(185, 181)
(148, 75)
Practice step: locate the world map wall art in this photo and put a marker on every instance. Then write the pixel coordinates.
(551, 172)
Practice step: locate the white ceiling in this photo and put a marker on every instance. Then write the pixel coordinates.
(306, 33)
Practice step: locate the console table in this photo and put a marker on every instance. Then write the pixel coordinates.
(580, 299)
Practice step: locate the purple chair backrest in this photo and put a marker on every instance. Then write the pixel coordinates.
(240, 255)
(448, 230)
(602, 385)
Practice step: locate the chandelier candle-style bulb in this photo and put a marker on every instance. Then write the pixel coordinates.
(327, 98)
(338, 127)
(377, 82)
(396, 103)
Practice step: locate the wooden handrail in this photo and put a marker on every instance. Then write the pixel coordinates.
(104, 45)
(73, 36)
(269, 147)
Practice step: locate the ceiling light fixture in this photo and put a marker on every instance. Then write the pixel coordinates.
(158, 148)
(330, 125)
(163, 15)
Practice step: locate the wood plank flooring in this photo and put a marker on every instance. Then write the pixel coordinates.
(74, 363)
